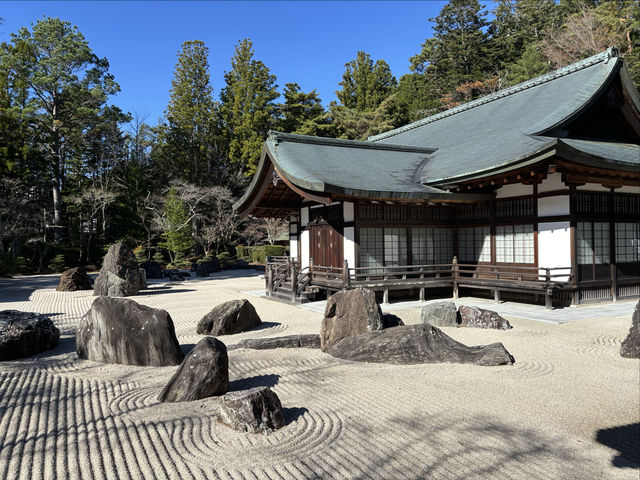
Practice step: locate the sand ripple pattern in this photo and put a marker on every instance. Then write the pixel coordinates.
(601, 346)
(529, 369)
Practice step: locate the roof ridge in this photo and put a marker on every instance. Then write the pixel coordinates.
(534, 82)
(340, 142)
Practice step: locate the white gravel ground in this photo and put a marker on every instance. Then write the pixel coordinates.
(568, 408)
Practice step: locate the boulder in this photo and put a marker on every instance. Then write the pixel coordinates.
(481, 318)
(203, 373)
(203, 269)
(349, 312)
(390, 320)
(441, 314)
(417, 344)
(289, 341)
(143, 279)
(120, 275)
(74, 279)
(257, 410)
(118, 330)
(152, 269)
(230, 317)
(630, 347)
(23, 334)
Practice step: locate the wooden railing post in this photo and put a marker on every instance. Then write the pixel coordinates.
(346, 278)
(547, 294)
(385, 294)
(421, 288)
(614, 283)
(294, 283)
(455, 273)
(269, 279)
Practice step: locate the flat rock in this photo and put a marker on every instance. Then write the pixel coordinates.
(349, 312)
(481, 318)
(73, 280)
(120, 275)
(630, 347)
(417, 344)
(257, 410)
(23, 334)
(119, 330)
(230, 317)
(290, 341)
(441, 314)
(203, 373)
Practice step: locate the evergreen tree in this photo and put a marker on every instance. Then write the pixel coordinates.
(531, 64)
(459, 50)
(67, 87)
(303, 113)
(177, 233)
(247, 107)
(365, 84)
(187, 143)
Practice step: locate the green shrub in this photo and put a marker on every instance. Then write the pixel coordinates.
(158, 257)
(257, 254)
(242, 251)
(57, 265)
(141, 253)
(21, 265)
(274, 250)
(225, 259)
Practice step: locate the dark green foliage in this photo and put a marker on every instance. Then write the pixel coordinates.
(58, 264)
(274, 250)
(303, 113)
(242, 251)
(158, 257)
(364, 84)
(247, 107)
(225, 259)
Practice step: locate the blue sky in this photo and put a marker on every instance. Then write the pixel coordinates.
(303, 42)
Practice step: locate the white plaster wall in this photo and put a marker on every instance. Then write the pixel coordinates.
(350, 246)
(593, 187)
(514, 190)
(551, 183)
(293, 247)
(348, 212)
(554, 247)
(628, 190)
(550, 206)
(304, 216)
(304, 249)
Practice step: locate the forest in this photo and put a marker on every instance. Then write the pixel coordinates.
(78, 174)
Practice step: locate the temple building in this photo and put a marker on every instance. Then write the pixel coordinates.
(533, 192)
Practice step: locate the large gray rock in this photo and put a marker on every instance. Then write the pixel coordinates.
(74, 279)
(257, 410)
(630, 347)
(23, 334)
(481, 318)
(347, 313)
(441, 314)
(230, 317)
(118, 330)
(152, 269)
(203, 373)
(417, 344)
(290, 341)
(120, 275)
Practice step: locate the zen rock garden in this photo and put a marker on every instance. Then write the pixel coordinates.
(23, 334)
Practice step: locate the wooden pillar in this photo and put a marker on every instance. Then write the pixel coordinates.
(294, 282)
(455, 273)
(496, 295)
(548, 291)
(385, 296)
(422, 298)
(269, 279)
(614, 282)
(346, 278)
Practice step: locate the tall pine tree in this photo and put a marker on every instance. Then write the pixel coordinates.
(303, 113)
(187, 146)
(365, 84)
(247, 110)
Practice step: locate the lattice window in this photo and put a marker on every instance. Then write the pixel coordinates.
(371, 247)
(382, 212)
(593, 243)
(473, 211)
(515, 244)
(432, 246)
(628, 205)
(474, 244)
(395, 246)
(592, 202)
(627, 242)
(515, 207)
(434, 213)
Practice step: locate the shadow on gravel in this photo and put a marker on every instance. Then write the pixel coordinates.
(263, 326)
(19, 289)
(293, 414)
(626, 440)
(270, 380)
(157, 291)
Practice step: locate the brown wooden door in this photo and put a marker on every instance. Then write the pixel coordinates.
(326, 245)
